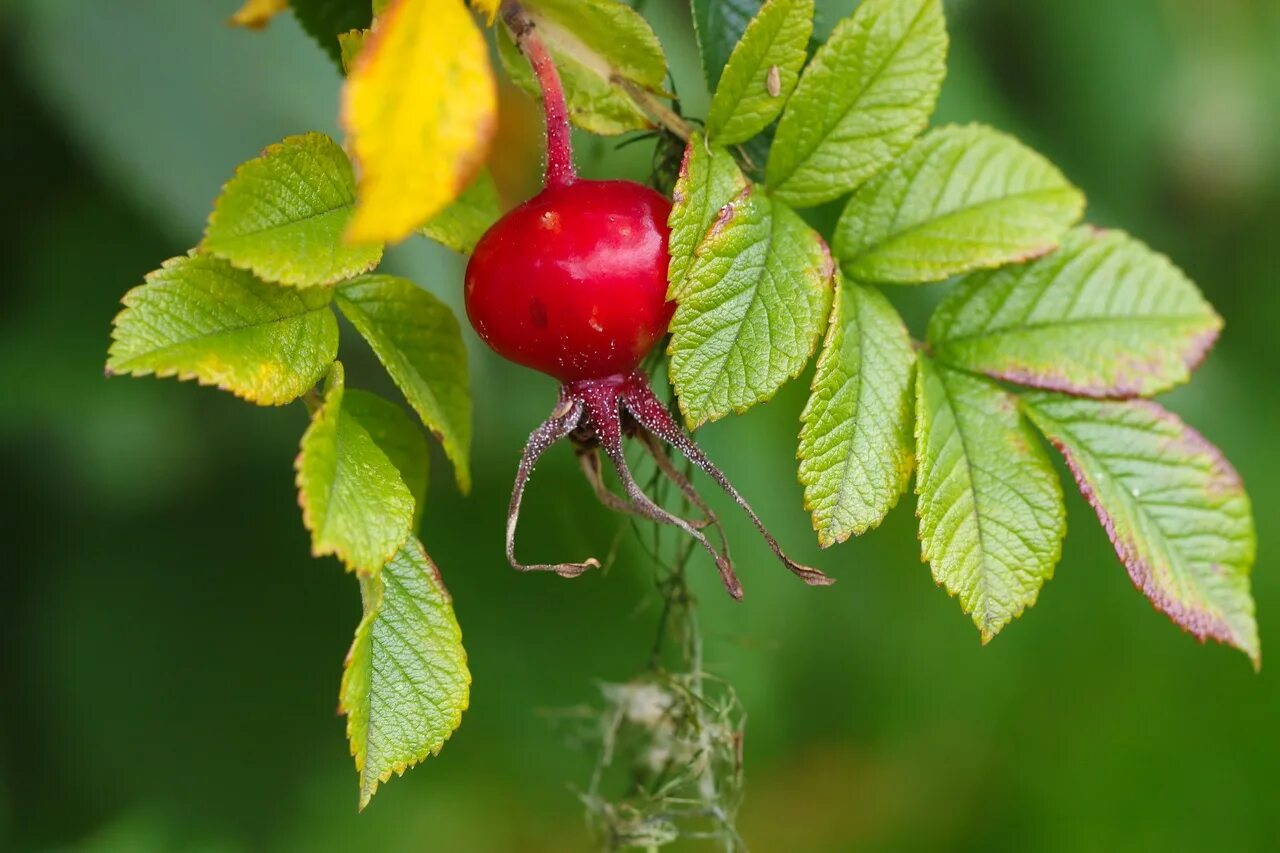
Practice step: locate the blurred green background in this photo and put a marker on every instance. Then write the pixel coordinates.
(171, 654)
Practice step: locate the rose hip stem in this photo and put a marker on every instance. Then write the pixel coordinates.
(560, 171)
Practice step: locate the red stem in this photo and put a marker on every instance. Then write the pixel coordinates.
(560, 171)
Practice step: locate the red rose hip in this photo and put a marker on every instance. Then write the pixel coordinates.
(573, 282)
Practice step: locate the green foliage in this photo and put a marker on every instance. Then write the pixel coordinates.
(751, 310)
(198, 317)
(418, 340)
(599, 47)
(1089, 313)
(1105, 316)
(709, 179)
(396, 435)
(283, 215)
(460, 225)
(353, 499)
(1173, 506)
(961, 198)
(991, 512)
(855, 448)
(406, 681)
(719, 24)
(862, 98)
(762, 71)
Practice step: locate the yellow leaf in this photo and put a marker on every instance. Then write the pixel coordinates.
(489, 8)
(256, 14)
(419, 109)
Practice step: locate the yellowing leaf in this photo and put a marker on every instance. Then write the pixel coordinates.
(256, 14)
(419, 109)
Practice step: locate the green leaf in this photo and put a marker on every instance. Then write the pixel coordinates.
(396, 435)
(417, 338)
(751, 311)
(762, 71)
(990, 504)
(283, 214)
(719, 25)
(1103, 316)
(405, 683)
(709, 179)
(855, 446)
(1173, 506)
(200, 318)
(461, 225)
(323, 20)
(596, 45)
(961, 199)
(353, 500)
(862, 98)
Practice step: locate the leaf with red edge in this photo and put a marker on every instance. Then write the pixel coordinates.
(1175, 509)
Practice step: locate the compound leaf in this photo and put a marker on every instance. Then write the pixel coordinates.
(283, 214)
(990, 504)
(1103, 316)
(353, 499)
(418, 340)
(420, 107)
(198, 317)
(1173, 506)
(762, 71)
(961, 199)
(855, 446)
(405, 683)
(709, 179)
(751, 311)
(599, 47)
(862, 98)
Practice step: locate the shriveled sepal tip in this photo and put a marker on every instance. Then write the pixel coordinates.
(598, 414)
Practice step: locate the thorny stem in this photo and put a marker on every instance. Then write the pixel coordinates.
(560, 171)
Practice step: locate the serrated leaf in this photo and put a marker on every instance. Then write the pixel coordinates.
(420, 108)
(405, 683)
(595, 44)
(709, 179)
(990, 505)
(960, 199)
(417, 339)
(283, 214)
(198, 317)
(353, 499)
(1103, 316)
(324, 20)
(396, 435)
(762, 71)
(752, 310)
(256, 14)
(461, 225)
(855, 446)
(719, 25)
(1173, 506)
(862, 98)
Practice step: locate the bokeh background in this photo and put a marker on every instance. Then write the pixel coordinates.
(171, 654)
